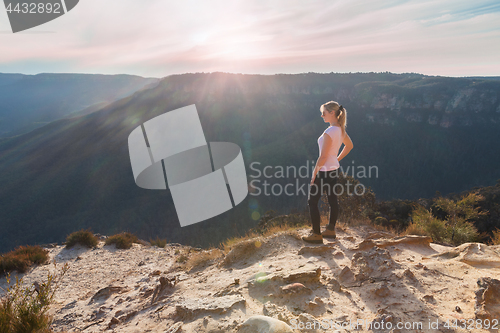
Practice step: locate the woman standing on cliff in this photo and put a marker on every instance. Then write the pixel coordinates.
(326, 173)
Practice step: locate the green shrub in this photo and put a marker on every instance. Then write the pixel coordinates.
(428, 225)
(24, 309)
(22, 258)
(456, 229)
(460, 213)
(381, 221)
(122, 241)
(158, 242)
(82, 237)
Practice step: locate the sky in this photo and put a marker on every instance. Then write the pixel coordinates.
(156, 38)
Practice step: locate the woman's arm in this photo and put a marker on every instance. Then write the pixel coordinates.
(348, 145)
(323, 155)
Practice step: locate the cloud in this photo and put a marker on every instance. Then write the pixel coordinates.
(157, 38)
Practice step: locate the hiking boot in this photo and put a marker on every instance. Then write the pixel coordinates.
(313, 238)
(329, 234)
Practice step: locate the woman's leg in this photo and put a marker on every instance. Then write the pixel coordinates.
(334, 211)
(333, 200)
(315, 192)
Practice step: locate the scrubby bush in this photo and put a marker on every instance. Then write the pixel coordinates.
(381, 221)
(123, 240)
(82, 237)
(158, 242)
(425, 224)
(22, 258)
(456, 228)
(24, 308)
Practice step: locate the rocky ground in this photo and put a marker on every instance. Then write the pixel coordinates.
(365, 280)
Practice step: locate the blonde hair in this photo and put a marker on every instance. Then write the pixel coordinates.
(340, 113)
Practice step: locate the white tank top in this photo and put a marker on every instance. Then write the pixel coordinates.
(335, 133)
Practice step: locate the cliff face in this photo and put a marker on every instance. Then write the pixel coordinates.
(441, 101)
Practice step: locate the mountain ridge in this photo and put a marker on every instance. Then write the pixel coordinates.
(75, 173)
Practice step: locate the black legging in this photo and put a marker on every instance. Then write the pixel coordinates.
(325, 180)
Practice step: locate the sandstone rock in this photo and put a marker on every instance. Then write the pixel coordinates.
(104, 293)
(263, 324)
(364, 245)
(114, 321)
(175, 328)
(379, 234)
(316, 249)
(127, 316)
(375, 263)
(295, 289)
(303, 276)
(488, 299)
(309, 322)
(409, 274)
(231, 289)
(383, 316)
(334, 284)
(382, 291)
(346, 275)
(429, 299)
(310, 276)
(369, 243)
(278, 312)
(473, 254)
(166, 285)
(409, 240)
(191, 308)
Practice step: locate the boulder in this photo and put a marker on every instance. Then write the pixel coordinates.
(475, 254)
(263, 324)
(488, 299)
(302, 276)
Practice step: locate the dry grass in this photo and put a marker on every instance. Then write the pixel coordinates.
(230, 243)
(385, 229)
(239, 247)
(22, 258)
(83, 237)
(123, 240)
(158, 242)
(203, 258)
(181, 259)
(25, 309)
